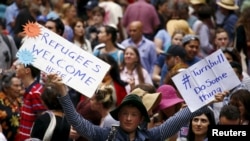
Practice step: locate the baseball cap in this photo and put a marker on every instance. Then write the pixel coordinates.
(91, 4)
(176, 50)
(189, 37)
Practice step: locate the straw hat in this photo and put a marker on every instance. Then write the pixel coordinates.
(194, 2)
(228, 4)
(181, 24)
(150, 100)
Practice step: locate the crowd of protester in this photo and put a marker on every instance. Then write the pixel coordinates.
(146, 43)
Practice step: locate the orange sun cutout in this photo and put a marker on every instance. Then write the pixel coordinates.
(32, 29)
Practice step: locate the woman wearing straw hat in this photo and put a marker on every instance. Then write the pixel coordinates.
(131, 113)
(227, 8)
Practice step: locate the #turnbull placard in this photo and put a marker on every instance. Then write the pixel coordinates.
(52, 53)
(200, 82)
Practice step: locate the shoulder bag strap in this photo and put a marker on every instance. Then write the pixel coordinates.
(49, 132)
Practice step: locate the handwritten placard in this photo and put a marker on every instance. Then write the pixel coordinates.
(52, 53)
(200, 82)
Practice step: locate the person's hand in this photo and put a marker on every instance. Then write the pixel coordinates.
(73, 134)
(131, 82)
(220, 96)
(55, 79)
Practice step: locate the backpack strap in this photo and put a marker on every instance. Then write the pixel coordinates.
(112, 133)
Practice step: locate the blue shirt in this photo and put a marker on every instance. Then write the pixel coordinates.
(165, 37)
(147, 51)
(10, 16)
(117, 55)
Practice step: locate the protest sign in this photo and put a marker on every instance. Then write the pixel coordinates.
(200, 82)
(52, 53)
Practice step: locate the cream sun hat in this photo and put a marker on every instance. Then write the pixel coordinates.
(194, 2)
(228, 4)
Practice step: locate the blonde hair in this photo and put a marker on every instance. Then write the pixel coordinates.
(104, 94)
(181, 24)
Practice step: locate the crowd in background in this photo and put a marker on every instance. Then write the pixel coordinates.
(146, 42)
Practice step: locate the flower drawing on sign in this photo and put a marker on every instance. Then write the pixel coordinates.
(32, 29)
(25, 57)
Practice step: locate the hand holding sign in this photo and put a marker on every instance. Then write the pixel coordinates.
(52, 53)
(202, 81)
(55, 79)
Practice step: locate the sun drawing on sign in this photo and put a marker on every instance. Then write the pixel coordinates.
(25, 57)
(32, 29)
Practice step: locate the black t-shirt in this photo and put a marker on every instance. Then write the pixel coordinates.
(61, 131)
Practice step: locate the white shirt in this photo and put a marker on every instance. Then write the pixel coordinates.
(125, 76)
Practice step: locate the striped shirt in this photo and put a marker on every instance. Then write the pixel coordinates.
(159, 133)
(32, 105)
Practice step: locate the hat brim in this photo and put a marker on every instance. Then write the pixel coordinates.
(166, 103)
(139, 105)
(197, 2)
(235, 7)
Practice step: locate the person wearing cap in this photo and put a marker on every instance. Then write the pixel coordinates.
(175, 57)
(227, 8)
(131, 113)
(91, 4)
(196, 4)
(175, 62)
(160, 66)
(191, 44)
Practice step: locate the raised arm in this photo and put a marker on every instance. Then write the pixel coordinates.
(81, 125)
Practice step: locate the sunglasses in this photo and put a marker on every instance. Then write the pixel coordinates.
(230, 49)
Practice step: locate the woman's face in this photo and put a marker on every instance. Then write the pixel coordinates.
(98, 18)
(79, 29)
(71, 12)
(15, 88)
(238, 104)
(177, 39)
(200, 125)
(192, 48)
(130, 56)
(102, 35)
(170, 111)
(228, 56)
